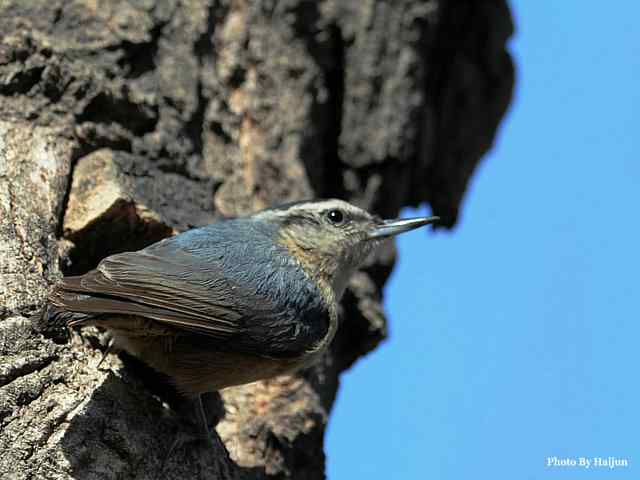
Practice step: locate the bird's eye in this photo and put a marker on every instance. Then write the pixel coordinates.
(335, 216)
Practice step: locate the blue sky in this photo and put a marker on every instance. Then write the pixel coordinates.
(515, 337)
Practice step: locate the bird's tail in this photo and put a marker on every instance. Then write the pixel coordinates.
(53, 320)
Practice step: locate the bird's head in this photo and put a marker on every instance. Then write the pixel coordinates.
(332, 238)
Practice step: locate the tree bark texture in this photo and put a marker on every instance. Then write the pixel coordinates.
(125, 121)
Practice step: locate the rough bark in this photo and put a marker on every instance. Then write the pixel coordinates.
(124, 121)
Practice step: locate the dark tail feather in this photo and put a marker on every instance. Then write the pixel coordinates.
(52, 322)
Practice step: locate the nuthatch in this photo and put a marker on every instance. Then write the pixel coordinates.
(233, 302)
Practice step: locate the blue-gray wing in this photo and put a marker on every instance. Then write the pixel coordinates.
(171, 286)
(213, 293)
(168, 290)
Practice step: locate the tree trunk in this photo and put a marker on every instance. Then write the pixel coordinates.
(125, 121)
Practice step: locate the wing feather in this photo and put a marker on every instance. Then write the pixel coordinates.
(207, 281)
(176, 290)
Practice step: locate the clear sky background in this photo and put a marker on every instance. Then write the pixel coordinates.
(516, 336)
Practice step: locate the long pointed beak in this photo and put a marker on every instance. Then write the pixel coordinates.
(389, 228)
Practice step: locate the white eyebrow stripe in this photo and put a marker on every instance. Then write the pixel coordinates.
(320, 206)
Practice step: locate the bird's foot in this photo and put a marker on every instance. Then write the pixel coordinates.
(107, 351)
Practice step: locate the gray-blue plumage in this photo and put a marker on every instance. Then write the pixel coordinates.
(231, 281)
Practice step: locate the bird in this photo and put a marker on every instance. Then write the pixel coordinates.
(240, 300)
